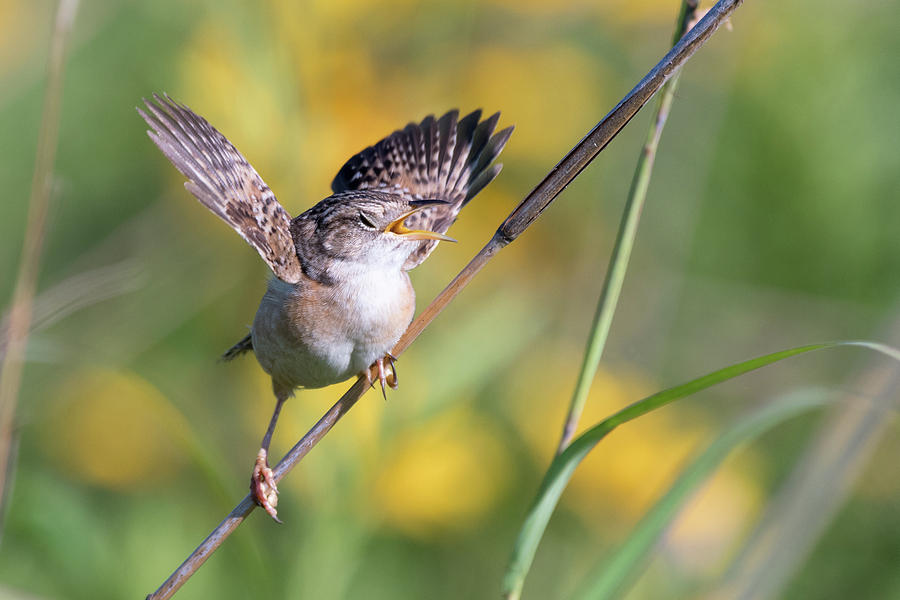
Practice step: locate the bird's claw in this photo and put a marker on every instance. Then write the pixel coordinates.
(386, 377)
(391, 378)
(262, 486)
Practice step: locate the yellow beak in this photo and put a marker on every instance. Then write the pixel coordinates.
(398, 228)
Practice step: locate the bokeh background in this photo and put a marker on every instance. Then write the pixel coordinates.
(772, 221)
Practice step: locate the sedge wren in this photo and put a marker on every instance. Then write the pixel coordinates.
(340, 297)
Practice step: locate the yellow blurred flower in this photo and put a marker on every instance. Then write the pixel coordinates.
(297, 127)
(114, 429)
(544, 9)
(550, 91)
(18, 23)
(631, 467)
(440, 476)
(237, 95)
(641, 11)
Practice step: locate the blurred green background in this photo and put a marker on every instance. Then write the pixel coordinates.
(772, 221)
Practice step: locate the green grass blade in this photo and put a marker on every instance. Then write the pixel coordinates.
(812, 495)
(562, 467)
(626, 564)
(621, 252)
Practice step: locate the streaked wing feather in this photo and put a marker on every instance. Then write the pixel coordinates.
(222, 179)
(446, 159)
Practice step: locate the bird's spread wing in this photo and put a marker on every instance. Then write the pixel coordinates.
(439, 159)
(222, 179)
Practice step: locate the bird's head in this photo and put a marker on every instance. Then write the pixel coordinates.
(368, 228)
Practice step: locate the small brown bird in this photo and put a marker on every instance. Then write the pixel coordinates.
(340, 298)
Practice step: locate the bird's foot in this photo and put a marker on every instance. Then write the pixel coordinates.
(262, 485)
(391, 378)
(386, 377)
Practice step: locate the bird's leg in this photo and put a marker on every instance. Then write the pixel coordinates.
(383, 376)
(262, 481)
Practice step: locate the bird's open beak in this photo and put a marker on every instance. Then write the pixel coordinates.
(397, 227)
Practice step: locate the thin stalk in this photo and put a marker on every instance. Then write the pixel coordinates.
(519, 220)
(38, 207)
(621, 253)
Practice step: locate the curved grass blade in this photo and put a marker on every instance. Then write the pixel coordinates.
(625, 566)
(818, 486)
(563, 466)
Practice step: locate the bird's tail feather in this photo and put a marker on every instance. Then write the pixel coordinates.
(245, 345)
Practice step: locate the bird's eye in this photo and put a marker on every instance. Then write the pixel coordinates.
(366, 221)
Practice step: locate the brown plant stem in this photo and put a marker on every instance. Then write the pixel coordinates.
(520, 219)
(38, 207)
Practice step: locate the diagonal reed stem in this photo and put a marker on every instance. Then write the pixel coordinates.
(38, 207)
(621, 253)
(520, 219)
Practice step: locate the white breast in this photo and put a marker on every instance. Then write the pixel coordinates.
(311, 335)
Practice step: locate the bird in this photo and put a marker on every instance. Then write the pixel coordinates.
(340, 296)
